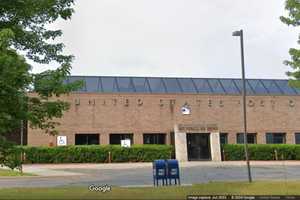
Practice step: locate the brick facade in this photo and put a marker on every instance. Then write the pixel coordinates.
(105, 113)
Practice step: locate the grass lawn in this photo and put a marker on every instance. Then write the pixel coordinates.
(6, 172)
(170, 192)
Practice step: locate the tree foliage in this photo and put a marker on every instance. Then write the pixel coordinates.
(24, 35)
(293, 19)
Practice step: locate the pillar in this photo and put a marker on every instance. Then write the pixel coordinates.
(180, 145)
(215, 147)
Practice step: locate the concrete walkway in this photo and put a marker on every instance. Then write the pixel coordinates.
(132, 174)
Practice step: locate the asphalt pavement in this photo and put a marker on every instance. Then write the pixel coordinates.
(140, 174)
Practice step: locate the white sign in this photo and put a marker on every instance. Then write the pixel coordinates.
(125, 143)
(185, 110)
(61, 140)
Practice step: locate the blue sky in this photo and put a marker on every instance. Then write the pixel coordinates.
(184, 38)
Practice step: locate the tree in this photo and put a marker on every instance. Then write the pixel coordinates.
(293, 19)
(23, 30)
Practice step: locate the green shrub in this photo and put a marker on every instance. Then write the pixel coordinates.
(10, 155)
(96, 153)
(262, 151)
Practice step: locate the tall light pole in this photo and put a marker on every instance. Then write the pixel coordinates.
(240, 34)
(21, 143)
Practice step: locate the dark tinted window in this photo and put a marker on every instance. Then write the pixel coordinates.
(251, 138)
(275, 138)
(297, 138)
(223, 138)
(86, 139)
(116, 138)
(157, 138)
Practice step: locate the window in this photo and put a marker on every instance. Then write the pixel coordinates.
(141, 85)
(86, 139)
(257, 86)
(158, 138)
(92, 84)
(271, 86)
(229, 86)
(239, 84)
(125, 84)
(216, 86)
(109, 84)
(251, 138)
(223, 138)
(275, 138)
(202, 85)
(172, 85)
(116, 138)
(284, 86)
(156, 85)
(297, 138)
(187, 85)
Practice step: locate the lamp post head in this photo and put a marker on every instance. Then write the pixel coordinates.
(237, 33)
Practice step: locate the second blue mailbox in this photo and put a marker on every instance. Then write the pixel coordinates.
(173, 171)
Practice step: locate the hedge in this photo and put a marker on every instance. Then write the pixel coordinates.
(262, 151)
(96, 154)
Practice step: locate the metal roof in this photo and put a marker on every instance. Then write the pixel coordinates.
(112, 84)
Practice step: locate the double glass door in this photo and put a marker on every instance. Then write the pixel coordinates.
(198, 146)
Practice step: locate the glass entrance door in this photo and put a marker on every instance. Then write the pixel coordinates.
(198, 146)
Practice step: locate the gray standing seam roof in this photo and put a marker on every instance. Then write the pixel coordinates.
(110, 84)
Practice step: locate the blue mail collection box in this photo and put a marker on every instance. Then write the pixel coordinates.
(173, 171)
(159, 172)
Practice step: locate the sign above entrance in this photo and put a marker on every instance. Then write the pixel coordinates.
(197, 127)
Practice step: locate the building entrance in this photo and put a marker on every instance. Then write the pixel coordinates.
(198, 146)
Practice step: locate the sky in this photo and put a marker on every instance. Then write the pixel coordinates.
(182, 38)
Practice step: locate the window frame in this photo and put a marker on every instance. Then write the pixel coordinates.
(156, 138)
(87, 138)
(275, 133)
(122, 137)
(297, 134)
(226, 138)
(248, 134)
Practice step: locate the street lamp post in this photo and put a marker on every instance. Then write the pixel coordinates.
(21, 143)
(240, 34)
